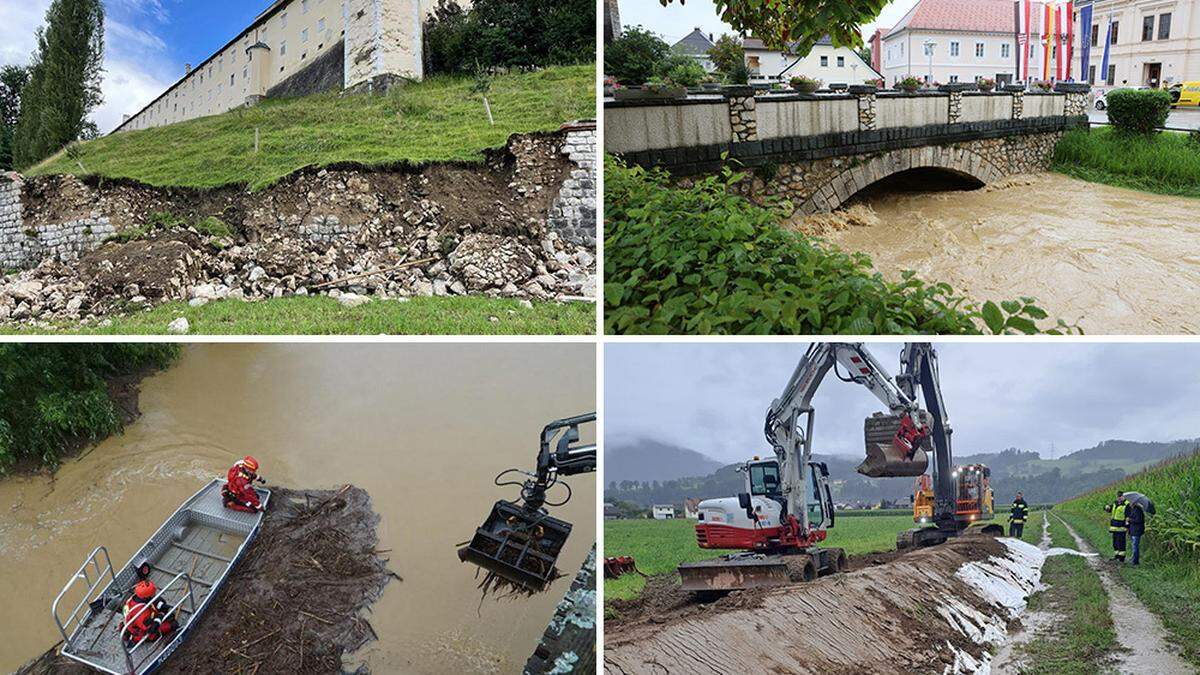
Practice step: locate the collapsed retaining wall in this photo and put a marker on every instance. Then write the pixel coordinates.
(519, 225)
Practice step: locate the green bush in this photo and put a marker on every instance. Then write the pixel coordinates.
(702, 260)
(53, 395)
(494, 34)
(635, 57)
(1138, 111)
(682, 69)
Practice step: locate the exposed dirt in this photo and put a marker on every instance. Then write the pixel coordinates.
(882, 617)
(296, 603)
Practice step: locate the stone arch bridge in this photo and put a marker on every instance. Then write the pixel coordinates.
(818, 150)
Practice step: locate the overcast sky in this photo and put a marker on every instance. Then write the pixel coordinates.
(711, 397)
(147, 43)
(675, 21)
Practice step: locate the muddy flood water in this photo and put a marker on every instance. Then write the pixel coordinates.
(423, 428)
(1109, 259)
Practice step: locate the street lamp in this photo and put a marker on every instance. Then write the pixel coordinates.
(929, 45)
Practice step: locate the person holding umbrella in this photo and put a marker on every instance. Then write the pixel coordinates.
(1138, 509)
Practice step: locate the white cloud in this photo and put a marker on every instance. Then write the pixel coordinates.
(127, 88)
(132, 39)
(21, 19)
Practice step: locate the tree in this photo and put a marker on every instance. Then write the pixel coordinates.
(727, 53)
(635, 57)
(64, 79)
(509, 34)
(796, 25)
(12, 83)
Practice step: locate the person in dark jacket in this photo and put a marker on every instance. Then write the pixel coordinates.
(1137, 527)
(1017, 516)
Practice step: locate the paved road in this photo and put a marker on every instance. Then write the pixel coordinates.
(1178, 119)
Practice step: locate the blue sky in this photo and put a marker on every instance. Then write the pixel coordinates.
(147, 43)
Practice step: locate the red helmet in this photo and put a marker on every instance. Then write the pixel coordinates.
(144, 590)
(250, 464)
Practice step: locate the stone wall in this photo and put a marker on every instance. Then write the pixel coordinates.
(324, 73)
(22, 246)
(573, 214)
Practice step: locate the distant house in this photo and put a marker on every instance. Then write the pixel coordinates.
(691, 508)
(696, 45)
(825, 62)
(663, 512)
(611, 512)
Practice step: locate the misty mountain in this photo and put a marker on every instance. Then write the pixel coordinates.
(646, 460)
(1041, 480)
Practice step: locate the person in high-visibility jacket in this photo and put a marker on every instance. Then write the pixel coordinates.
(1017, 516)
(142, 618)
(1118, 525)
(238, 492)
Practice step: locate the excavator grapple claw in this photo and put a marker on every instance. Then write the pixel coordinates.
(518, 544)
(887, 456)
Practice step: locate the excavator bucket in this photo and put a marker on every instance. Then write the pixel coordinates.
(886, 455)
(518, 544)
(734, 573)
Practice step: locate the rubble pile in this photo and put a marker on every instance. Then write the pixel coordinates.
(347, 232)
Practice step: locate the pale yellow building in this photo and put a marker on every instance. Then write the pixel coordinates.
(297, 47)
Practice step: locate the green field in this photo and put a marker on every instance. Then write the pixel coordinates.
(1168, 580)
(438, 120)
(659, 546)
(320, 315)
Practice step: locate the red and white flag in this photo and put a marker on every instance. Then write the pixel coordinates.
(1024, 26)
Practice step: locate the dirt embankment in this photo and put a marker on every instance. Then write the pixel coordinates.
(445, 229)
(295, 604)
(893, 613)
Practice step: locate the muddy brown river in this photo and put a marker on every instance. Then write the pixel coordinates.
(1112, 260)
(423, 428)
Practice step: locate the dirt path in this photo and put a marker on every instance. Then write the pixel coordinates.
(1138, 630)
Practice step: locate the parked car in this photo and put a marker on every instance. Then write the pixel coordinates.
(1098, 99)
(1189, 95)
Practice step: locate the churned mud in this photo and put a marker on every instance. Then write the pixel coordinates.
(937, 608)
(1110, 259)
(1139, 631)
(296, 603)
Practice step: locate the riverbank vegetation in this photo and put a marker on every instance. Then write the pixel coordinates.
(1165, 163)
(703, 260)
(55, 397)
(438, 120)
(322, 315)
(1168, 580)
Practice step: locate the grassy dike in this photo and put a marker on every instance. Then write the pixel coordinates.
(1082, 640)
(1165, 163)
(438, 120)
(321, 315)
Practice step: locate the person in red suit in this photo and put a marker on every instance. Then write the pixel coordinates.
(238, 493)
(143, 619)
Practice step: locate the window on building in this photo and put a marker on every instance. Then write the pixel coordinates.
(304, 6)
(321, 25)
(1091, 74)
(1095, 35)
(304, 36)
(231, 76)
(841, 62)
(283, 48)
(953, 48)
(1164, 26)
(1148, 28)
(1113, 38)
(283, 20)
(1004, 50)
(824, 61)
(245, 72)
(953, 78)
(979, 50)
(1112, 75)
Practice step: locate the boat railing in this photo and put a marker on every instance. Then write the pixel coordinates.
(172, 612)
(95, 587)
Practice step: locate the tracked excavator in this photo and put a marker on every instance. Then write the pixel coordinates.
(787, 508)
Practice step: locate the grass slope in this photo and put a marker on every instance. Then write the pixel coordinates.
(435, 120)
(1166, 163)
(320, 315)
(1033, 527)
(1083, 639)
(659, 546)
(1168, 580)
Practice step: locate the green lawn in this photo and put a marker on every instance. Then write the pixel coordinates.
(319, 315)
(1083, 639)
(1164, 163)
(435, 120)
(659, 546)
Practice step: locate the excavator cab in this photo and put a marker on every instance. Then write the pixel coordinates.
(974, 493)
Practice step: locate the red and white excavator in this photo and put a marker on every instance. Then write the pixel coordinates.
(787, 507)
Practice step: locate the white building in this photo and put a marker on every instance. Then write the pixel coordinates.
(375, 40)
(1151, 44)
(948, 41)
(663, 512)
(825, 62)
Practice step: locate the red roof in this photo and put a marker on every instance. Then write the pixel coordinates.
(967, 16)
